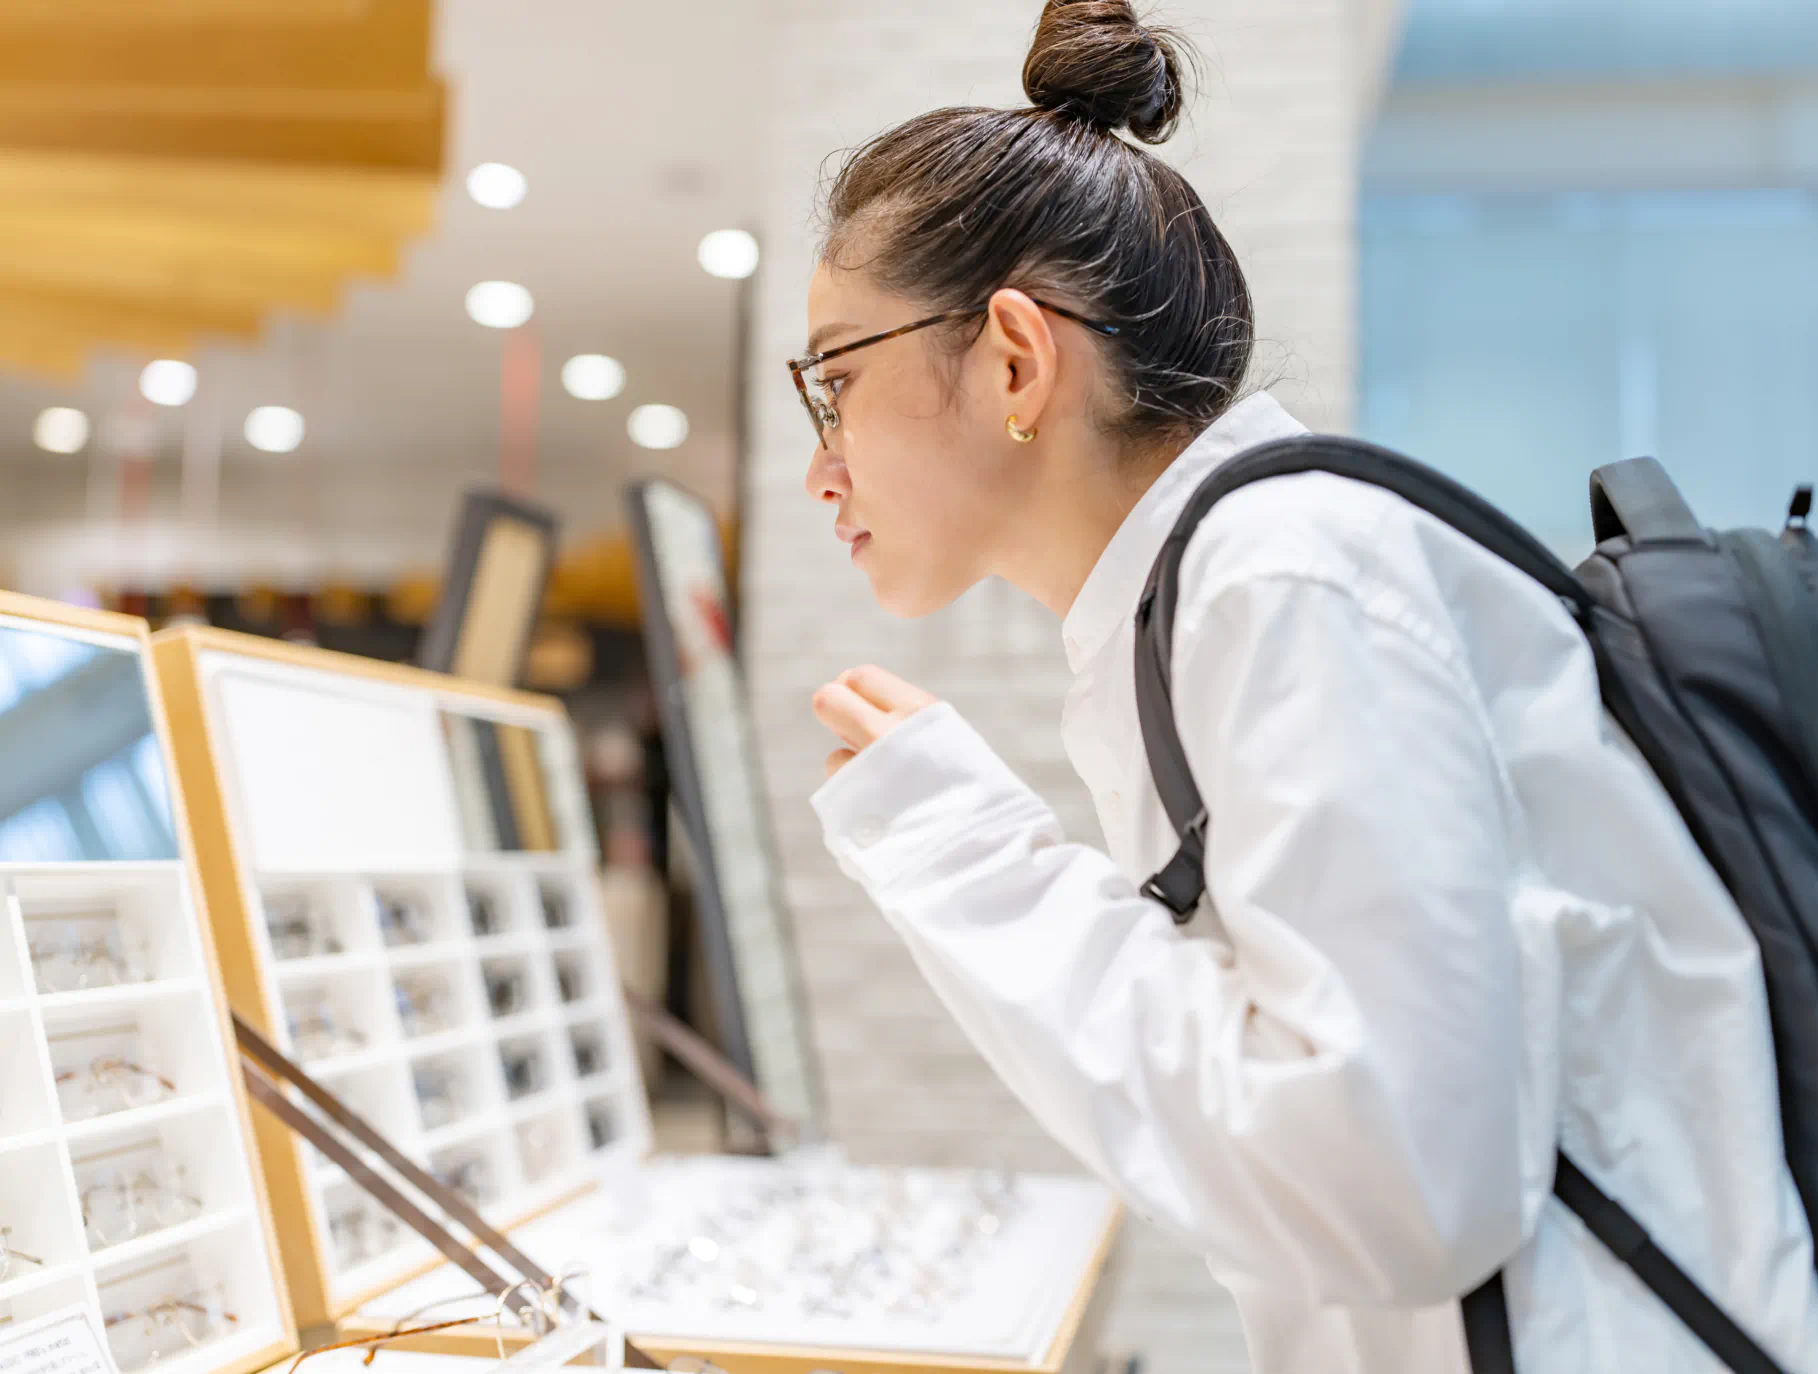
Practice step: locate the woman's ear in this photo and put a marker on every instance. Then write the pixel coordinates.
(1025, 360)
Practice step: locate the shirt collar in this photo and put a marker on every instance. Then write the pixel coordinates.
(1116, 581)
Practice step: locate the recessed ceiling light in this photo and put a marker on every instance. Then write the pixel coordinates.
(593, 377)
(499, 304)
(496, 186)
(730, 253)
(274, 429)
(657, 426)
(60, 430)
(167, 382)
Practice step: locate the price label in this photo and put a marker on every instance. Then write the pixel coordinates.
(67, 1341)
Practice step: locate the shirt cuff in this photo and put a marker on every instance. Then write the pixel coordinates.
(914, 795)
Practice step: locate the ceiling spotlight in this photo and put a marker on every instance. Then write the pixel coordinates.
(496, 186)
(499, 304)
(167, 382)
(60, 430)
(657, 426)
(730, 253)
(593, 377)
(274, 429)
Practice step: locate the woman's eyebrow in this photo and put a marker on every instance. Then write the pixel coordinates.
(818, 340)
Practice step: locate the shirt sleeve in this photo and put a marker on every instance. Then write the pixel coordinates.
(1327, 1106)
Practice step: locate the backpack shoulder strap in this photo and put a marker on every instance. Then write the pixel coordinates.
(1181, 883)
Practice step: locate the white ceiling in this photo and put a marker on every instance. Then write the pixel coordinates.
(634, 125)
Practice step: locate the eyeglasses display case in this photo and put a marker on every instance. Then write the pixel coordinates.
(402, 878)
(399, 867)
(127, 1180)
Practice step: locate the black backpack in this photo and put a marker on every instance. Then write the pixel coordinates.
(1706, 646)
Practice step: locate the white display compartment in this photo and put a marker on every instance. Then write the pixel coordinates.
(337, 1018)
(42, 1232)
(456, 1091)
(102, 935)
(310, 920)
(207, 1310)
(418, 914)
(156, 1053)
(136, 1183)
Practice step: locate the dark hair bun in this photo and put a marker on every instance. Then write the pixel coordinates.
(1094, 59)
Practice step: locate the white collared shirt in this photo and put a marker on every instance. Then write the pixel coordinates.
(1452, 921)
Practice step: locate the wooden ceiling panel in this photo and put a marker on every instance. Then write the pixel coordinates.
(167, 163)
(378, 45)
(378, 129)
(352, 199)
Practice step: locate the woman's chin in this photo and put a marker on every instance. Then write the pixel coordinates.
(909, 598)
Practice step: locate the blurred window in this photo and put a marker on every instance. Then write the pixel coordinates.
(1517, 333)
(1466, 40)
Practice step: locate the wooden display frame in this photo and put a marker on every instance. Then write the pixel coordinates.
(225, 854)
(135, 632)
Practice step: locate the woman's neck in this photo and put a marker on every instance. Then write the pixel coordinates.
(1063, 530)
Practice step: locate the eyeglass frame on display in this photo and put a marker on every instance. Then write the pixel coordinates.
(317, 941)
(553, 903)
(8, 1254)
(571, 981)
(823, 412)
(595, 1061)
(130, 1191)
(403, 913)
(321, 1020)
(517, 978)
(478, 900)
(107, 1070)
(547, 1303)
(512, 1064)
(163, 1309)
(87, 950)
(415, 994)
(456, 1097)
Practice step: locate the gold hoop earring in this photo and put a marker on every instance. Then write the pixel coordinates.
(1022, 436)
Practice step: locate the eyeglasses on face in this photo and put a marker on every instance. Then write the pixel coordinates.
(821, 401)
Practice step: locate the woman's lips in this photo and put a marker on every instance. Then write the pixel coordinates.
(853, 537)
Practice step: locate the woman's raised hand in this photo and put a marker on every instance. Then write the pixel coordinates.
(861, 706)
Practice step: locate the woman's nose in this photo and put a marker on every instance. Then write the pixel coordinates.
(827, 476)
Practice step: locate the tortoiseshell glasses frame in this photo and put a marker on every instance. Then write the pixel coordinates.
(824, 415)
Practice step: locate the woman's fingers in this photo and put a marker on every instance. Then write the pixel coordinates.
(838, 759)
(855, 720)
(886, 690)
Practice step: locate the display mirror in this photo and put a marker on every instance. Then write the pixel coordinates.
(84, 777)
(753, 972)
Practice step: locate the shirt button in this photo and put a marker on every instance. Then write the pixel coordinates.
(867, 833)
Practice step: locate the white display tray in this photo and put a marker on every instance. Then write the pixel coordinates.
(1009, 1295)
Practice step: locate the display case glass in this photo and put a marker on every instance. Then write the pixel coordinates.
(405, 898)
(126, 1172)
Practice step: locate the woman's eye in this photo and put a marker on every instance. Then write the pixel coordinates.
(832, 386)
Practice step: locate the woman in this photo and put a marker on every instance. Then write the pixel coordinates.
(1452, 919)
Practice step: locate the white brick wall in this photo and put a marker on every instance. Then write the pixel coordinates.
(1272, 148)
